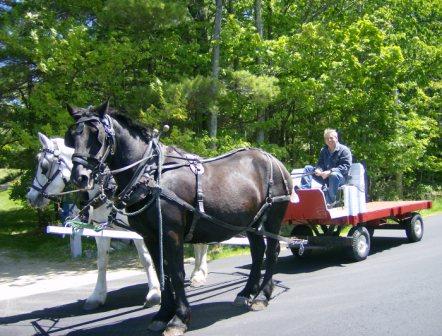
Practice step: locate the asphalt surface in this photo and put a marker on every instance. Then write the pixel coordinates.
(396, 291)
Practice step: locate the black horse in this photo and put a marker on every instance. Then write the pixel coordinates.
(184, 198)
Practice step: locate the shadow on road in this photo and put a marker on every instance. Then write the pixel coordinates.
(123, 311)
(335, 257)
(131, 296)
(203, 315)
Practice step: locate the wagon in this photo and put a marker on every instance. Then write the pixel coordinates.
(317, 227)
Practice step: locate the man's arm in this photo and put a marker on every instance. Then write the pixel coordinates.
(344, 162)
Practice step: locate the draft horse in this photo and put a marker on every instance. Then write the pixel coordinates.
(177, 197)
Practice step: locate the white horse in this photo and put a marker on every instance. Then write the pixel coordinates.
(53, 172)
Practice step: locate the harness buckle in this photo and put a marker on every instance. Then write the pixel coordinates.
(102, 197)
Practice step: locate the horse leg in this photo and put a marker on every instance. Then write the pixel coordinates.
(199, 274)
(272, 225)
(98, 297)
(257, 248)
(167, 307)
(153, 297)
(265, 292)
(174, 254)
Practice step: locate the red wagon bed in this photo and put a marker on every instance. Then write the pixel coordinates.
(310, 205)
(317, 227)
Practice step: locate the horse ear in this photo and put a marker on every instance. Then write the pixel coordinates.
(102, 109)
(73, 111)
(45, 141)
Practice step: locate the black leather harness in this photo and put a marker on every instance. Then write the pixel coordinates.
(146, 182)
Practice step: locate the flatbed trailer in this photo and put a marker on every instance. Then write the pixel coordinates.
(317, 227)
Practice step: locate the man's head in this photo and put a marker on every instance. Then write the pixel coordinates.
(331, 138)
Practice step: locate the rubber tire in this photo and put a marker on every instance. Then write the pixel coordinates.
(370, 231)
(414, 228)
(361, 242)
(303, 231)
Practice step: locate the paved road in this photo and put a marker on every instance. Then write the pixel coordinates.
(396, 291)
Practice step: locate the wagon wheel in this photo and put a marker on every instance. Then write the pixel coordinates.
(414, 227)
(360, 245)
(370, 230)
(301, 231)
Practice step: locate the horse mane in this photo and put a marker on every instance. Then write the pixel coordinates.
(131, 124)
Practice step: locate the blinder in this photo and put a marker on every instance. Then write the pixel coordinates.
(41, 188)
(95, 164)
(69, 137)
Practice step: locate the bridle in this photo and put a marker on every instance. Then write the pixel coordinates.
(41, 188)
(96, 164)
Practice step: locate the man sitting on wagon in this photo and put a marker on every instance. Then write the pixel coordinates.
(332, 168)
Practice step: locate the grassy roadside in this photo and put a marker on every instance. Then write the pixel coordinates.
(19, 238)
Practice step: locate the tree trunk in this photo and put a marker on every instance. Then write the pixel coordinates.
(259, 27)
(258, 18)
(213, 125)
(400, 184)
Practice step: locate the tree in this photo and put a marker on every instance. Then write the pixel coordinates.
(213, 126)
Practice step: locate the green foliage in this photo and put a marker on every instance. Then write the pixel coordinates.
(371, 69)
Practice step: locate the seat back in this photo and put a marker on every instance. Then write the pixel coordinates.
(354, 190)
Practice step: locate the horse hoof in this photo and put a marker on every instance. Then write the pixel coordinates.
(157, 326)
(174, 331)
(197, 283)
(198, 279)
(258, 305)
(92, 305)
(241, 301)
(152, 301)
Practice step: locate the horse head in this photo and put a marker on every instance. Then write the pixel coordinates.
(92, 138)
(53, 171)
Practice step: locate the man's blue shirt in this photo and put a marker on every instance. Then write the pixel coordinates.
(337, 161)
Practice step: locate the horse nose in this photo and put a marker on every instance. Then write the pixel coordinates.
(80, 177)
(35, 199)
(82, 180)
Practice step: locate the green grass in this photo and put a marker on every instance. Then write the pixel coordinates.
(6, 204)
(218, 251)
(436, 208)
(7, 175)
(19, 233)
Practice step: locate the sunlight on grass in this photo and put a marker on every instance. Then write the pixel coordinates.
(437, 207)
(6, 203)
